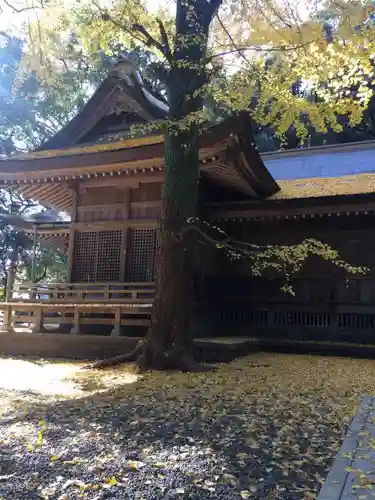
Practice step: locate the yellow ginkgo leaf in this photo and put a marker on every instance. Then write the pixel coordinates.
(245, 494)
(112, 481)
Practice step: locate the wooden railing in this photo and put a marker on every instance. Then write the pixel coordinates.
(83, 292)
(318, 305)
(79, 304)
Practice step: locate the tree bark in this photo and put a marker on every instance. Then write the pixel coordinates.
(168, 342)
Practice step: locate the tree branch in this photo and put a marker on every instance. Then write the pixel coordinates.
(225, 242)
(16, 9)
(238, 50)
(5, 35)
(147, 39)
(256, 48)
(150, 41)
(43, 275)
(164, 39)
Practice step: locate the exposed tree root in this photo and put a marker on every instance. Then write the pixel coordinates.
(146, 360)
(171, 360)
(116, 360)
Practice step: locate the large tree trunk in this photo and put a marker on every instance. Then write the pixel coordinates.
(167, 344)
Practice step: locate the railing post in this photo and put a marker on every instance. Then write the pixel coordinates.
(75, 329)
(7, 320)
(38, 321)
(117, 326)
(11, 276)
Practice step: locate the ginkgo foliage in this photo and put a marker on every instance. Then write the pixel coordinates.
(264, 47)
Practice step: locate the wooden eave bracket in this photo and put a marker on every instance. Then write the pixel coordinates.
(250, 167)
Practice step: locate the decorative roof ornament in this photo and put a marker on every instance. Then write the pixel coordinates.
(126, 70)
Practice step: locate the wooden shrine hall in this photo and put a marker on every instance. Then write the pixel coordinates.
(108, 183)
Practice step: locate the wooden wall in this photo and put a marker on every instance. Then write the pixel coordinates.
(113, 236)
(353, 236)
(109, 203)
(325, 299)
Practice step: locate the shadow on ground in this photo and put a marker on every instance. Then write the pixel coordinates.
(238, 432)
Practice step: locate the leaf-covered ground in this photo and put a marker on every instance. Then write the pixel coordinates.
(264, 432)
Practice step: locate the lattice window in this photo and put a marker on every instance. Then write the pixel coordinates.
(97, 256)
(85, 250)
(142, 251)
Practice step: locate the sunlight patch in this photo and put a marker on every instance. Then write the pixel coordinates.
(57, 379)
(47, 379)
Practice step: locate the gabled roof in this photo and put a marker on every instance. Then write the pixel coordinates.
(227, 158)
(122, 100)
(98, 143)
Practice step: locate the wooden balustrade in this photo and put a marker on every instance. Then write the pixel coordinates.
(83, 292)
(318, 307)
(78, 304)
(39, 314)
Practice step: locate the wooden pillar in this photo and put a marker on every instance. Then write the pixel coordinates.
(125, 232)
(72, 234)
(33, 264)
(71, 254)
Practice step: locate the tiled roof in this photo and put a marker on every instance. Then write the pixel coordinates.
(323, 161)
(325, 186)
(342, 169)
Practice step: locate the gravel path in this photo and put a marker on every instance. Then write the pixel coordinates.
(238, 433)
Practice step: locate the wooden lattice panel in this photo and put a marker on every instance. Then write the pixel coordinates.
(142, 252)
(109, 256)
(97, 256)
(85, 250)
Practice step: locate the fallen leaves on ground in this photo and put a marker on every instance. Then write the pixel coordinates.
(239, 432)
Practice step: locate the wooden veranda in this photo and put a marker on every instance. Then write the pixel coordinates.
(47, 306)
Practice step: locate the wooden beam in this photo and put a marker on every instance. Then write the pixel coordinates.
(216, 212)
(31, 191)
(60, 167)
(121, 182)
(112, 225)
(74, 207)
(58, 198)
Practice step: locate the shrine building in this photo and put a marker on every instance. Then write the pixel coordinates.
(108, 184)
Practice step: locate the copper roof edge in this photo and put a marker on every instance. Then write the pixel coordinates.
(328, 148)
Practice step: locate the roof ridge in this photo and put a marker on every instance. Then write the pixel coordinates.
(340, 147)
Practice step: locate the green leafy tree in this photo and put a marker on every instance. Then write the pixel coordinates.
(16, 247)
(51, 265)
